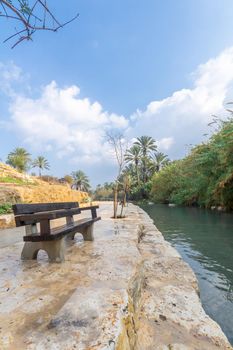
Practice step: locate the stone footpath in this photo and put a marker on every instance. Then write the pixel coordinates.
(129, 289)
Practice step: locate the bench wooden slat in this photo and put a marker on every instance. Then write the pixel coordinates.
(28, 219)
(93, 210)
(90, 207)
(41, 207)
(61, 231)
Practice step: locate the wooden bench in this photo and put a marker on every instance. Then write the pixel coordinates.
(52, 240)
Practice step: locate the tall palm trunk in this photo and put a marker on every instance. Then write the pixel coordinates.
(144, 169)
(137, 172)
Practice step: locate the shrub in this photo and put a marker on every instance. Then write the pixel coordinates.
(6, 208)
(12, 180)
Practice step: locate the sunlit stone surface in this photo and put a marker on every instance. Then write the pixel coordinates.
(129, 289)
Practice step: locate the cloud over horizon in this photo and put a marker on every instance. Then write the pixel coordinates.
(74, 127)
(183, 117)
(60, 120)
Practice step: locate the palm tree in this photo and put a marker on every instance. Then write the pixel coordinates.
(146, 145)
(160, 160)
(133, 155)
(81, 181)
(19, 159)
(41, 163)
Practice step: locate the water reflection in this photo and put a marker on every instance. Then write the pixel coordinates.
(205, 240)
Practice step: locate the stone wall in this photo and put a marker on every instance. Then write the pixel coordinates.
(167, 312)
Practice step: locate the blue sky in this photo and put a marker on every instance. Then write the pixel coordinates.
(134, 65)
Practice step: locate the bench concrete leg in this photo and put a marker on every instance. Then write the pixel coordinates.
(87, 233)
(54, 249)
(30, 250)
(70, 236)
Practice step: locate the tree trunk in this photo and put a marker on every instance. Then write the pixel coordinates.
(123, 204)
(115, 203)
(138, 176)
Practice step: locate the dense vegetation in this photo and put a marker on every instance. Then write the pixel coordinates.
(141, 161)
(204, 177)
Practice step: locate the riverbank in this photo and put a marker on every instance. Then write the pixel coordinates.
(129, 289)
(204, 239)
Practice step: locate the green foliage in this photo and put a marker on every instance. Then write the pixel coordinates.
(5, 208)
(41, 163)
(166, 182)
(204, 177)
(12, 180)
(68, 179)
(104, 192)
(81, 181)
(19, 159)
(141, 191)
(143, 161)
(146, 145)
(159, 160)
(23, 6)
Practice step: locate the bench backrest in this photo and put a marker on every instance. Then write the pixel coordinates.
(20, 209)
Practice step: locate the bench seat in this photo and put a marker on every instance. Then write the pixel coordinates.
(61, 231)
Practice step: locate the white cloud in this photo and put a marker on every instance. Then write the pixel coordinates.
(165, 143)
(9, 72)
(12, 77)
(185, 114)
(62, 121)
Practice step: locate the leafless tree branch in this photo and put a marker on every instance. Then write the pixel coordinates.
(24, 14)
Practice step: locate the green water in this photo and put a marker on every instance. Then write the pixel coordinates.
(205, 241)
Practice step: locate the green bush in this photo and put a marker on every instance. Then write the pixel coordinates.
(9, 179)
(141, 192)
(5, 208)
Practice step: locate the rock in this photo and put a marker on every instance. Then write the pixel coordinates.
(7, 221)
(220, 208)
(9, 195)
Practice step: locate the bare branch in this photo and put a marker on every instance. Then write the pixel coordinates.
(117, 142)
(26, 15)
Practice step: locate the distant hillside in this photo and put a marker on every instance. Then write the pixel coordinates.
(16, 187)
